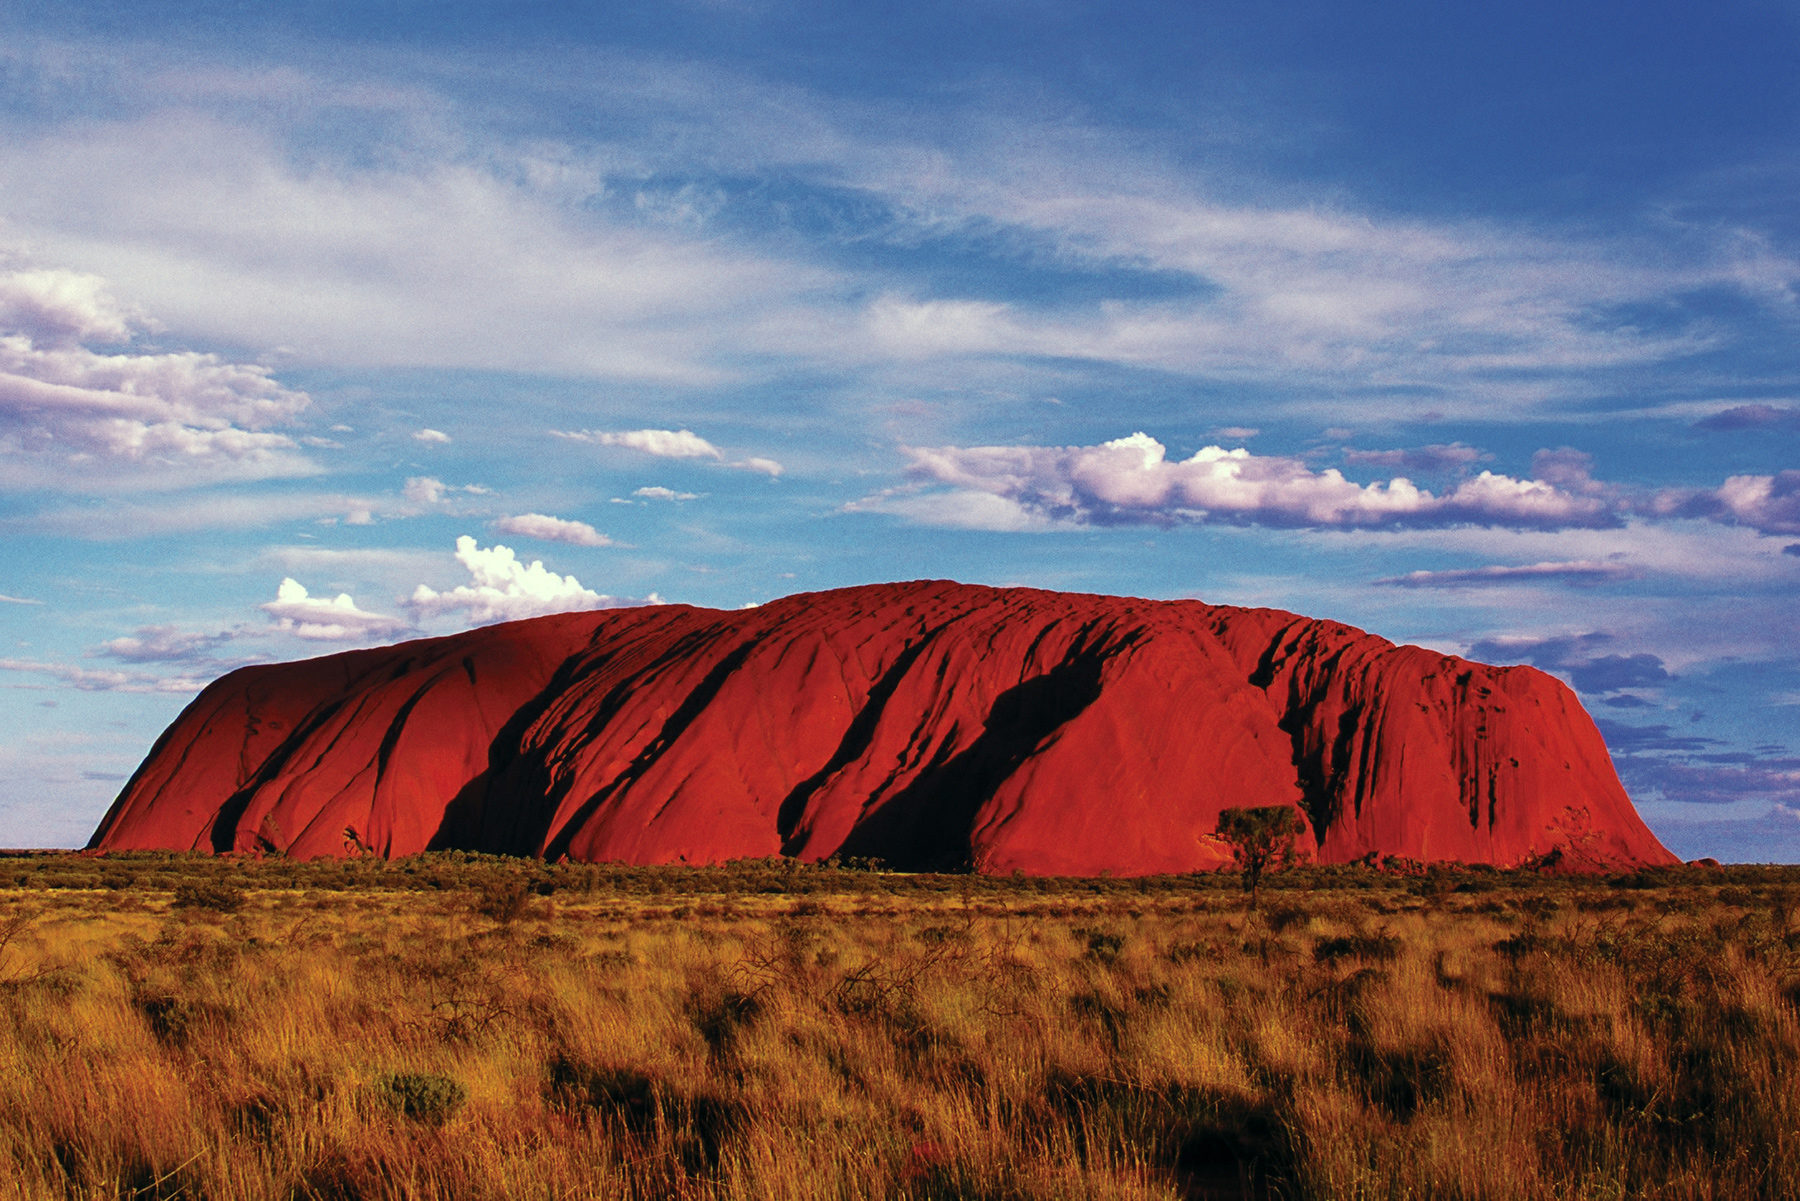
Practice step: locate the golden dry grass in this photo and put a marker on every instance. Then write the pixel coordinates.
(440, 1029)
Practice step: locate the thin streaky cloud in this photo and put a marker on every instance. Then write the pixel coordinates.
(1577, 572)
(663, 444)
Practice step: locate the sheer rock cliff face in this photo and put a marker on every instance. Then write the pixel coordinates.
(934, 725)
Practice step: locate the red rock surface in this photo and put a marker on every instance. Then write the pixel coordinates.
(931, 724)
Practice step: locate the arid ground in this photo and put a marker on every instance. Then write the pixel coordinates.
(467, 1028)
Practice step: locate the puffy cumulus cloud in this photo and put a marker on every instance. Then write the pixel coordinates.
(62, 308)
(768, 467)
(294, 611)
(1769, 504)
(552, 529)
(664, 444)
(658, 492)
(164, 418)
(502, 588)
(432, 437)
(1132, 479)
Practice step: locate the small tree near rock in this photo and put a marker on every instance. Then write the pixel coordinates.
(1261, 838)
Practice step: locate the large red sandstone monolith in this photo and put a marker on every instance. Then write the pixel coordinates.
(930, 724)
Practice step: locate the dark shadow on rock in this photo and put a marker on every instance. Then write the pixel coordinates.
(927, 825)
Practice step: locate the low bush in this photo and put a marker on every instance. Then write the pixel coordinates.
(422, 1096)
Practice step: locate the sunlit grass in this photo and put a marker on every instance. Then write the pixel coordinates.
(469, 1028)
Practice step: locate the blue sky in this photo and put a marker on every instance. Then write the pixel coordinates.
(327, 324)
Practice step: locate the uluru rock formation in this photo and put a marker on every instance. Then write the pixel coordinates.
(930, 724)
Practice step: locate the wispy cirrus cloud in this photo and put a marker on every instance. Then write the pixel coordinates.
(1751, 417)
(617, 257)
(164, 644)
(89, 679)
(210, 510)
(1579, 571)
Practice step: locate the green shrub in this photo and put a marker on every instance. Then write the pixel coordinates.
(422, 1096)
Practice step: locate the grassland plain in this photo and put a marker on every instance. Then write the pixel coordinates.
(458, 1027)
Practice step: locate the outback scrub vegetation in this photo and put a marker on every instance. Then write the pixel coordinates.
(458, 1027)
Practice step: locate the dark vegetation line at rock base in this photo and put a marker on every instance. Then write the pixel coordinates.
(439, 871)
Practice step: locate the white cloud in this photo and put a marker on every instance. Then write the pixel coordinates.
(505, 589)
(163, 644)
(88, 679)
(1131, 479)
(427, 490)
(438, 437)
(664, 444)
(1769, 504)
(552, 529)
(440, 244)
(62, 308)
(658, 492)
(296, 612)
(423, 490)
(478, 258)
(671, 444)
(1578, 571)
(71, 413)
(18, 600)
